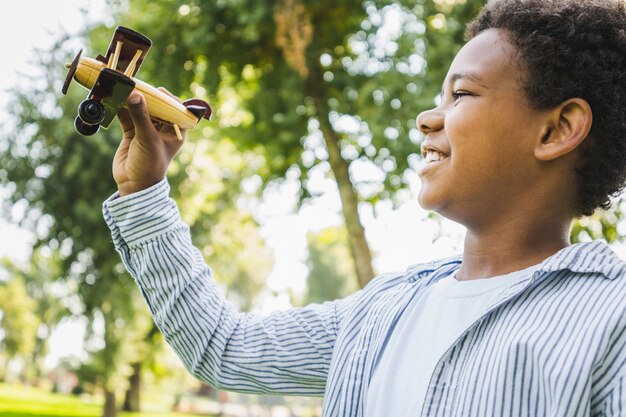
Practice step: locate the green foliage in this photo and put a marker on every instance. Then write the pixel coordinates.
(208, 176)
(331, 271)
(601, 225)
(40, 279)
(354, 63)
(19, 322)
(60, 179)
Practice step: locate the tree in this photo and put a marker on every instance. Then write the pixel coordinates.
(331, 275)
(40, 278)
(61, 178)
(602, 225)
(312, 85)
(19, 322)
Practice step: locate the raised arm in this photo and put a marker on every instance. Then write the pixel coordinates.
(287, 352)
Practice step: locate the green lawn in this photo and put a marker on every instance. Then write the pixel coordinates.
(17, 401)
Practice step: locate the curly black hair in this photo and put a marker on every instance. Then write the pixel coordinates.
(567, 49)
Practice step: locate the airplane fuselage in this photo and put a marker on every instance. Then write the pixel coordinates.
(161, 106)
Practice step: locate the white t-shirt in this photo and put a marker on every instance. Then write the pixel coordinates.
(425, 331)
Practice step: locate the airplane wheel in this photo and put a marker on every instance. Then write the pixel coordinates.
(84, 128)
(91, 112)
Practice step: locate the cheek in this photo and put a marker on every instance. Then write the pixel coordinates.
(467, 122)
(471, 136)
(485, 136)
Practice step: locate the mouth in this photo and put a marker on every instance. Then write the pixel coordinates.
(431, 155)
(431, 158)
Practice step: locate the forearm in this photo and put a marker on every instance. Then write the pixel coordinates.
(287, 352)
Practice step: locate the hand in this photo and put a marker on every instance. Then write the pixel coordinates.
(147, 147)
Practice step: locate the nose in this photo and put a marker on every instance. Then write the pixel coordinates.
(430, 121)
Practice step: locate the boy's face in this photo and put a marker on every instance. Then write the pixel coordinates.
(485, 131)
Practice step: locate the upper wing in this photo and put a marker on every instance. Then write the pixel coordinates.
(126, 51)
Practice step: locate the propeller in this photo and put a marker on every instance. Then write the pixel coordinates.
(71, 71)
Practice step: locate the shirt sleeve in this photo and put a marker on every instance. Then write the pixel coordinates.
(287, 352)
(609, 385)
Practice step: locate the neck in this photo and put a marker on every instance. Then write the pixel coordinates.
(501, 249)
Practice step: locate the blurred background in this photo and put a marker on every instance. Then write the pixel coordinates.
(300, 189)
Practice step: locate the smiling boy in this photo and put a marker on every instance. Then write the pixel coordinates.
(530, 133)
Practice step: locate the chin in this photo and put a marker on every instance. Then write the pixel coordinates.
(428, 200)
(436, 202)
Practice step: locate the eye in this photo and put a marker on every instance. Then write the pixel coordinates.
(458, 94)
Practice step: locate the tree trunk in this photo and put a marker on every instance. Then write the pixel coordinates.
(110, 408)
(133, 394)
(132, 399)
(359, 248)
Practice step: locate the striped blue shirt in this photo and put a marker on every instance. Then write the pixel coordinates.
(554, 344)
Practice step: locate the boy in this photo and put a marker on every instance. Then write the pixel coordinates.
(529, 134)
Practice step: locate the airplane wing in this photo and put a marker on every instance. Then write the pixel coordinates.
(112, 90)
(126, 51)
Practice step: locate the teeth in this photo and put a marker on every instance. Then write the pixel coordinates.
(433, 156)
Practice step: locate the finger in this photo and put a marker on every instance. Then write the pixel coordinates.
(166, 91)
(144, 129)
(168, 128)
(125, 121)
(123, 147)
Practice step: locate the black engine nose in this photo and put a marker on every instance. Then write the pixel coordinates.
(91, 112)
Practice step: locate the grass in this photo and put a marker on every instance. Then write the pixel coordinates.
(18, 401)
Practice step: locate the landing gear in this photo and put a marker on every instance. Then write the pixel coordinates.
(90, 115)
(84, 128)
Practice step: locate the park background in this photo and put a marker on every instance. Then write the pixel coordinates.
(300, 189)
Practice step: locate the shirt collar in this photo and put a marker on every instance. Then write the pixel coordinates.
(584, 257)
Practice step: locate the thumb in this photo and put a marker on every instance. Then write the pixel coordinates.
(139, 113)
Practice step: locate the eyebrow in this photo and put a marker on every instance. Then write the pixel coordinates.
(467, 75)
(470, 76)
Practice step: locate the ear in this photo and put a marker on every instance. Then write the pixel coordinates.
(567, 127)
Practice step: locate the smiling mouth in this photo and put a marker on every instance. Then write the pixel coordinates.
(431, 155)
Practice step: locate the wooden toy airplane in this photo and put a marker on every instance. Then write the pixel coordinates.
(110, 79)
